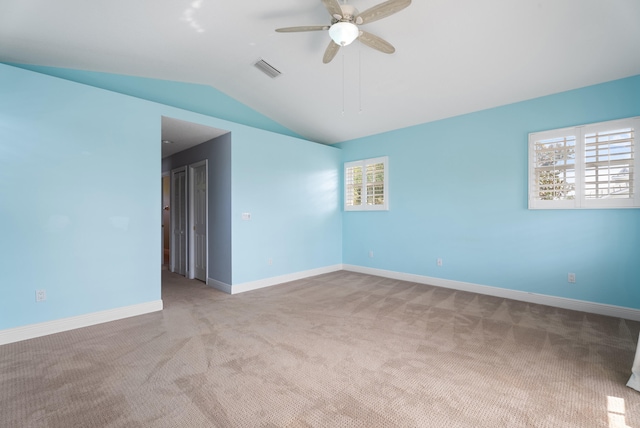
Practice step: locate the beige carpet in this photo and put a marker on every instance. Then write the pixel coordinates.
(337, 350)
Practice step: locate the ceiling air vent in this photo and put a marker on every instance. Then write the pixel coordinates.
(267, 68)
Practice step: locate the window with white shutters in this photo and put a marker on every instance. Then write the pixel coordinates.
(366, 185)
(589, 166)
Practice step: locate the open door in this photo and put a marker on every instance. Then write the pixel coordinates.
(166, 218)
(198, 219)
(179, 221)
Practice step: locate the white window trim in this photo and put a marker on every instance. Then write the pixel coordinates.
(580, 202)
(363, 163)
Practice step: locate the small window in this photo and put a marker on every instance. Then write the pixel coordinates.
(589, 166)
(366, 185)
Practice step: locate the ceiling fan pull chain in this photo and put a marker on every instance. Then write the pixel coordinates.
(359, 78)
(343, 97)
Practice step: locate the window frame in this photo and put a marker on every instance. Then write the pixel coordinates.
(581, 201)
(363, 163)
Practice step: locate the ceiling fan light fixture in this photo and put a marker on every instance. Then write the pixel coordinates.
(344, 33)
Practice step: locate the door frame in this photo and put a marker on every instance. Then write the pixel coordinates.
(191, 216)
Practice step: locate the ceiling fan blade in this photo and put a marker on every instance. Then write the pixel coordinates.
(376, 42)
(331, 52)
(334, 8)
(382, 11)
(303, 28)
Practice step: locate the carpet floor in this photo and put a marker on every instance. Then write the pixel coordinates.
(337, 350)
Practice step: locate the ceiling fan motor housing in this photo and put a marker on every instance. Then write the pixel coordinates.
(349, 14)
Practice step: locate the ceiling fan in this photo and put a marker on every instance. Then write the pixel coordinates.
(345, 20)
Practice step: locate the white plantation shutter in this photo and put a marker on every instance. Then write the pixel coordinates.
(590, 166)
(366, 185)
(375, 183)
(609, 164)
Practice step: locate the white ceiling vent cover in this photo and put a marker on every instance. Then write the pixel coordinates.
(267, 68)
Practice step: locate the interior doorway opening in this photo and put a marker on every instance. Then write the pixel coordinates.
(187, 152)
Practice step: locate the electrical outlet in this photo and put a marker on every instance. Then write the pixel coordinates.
(571, 278)
(371, 253)
(41, 295)
(439, 262)
(270, 262)
(246, 216)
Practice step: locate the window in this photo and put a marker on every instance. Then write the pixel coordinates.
(589, 166)
(366, 185)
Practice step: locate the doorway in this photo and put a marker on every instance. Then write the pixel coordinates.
(187, 151)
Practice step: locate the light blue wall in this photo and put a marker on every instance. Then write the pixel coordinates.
(80, 208)
(79, 199)
(202, 99)
(217, 152)
(292, 192)
(458, 191)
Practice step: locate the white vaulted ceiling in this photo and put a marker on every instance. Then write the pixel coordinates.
(452, 57)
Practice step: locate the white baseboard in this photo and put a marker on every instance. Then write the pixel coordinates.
(268, 282)
(219, 285)
(523, 296)
(56, 326)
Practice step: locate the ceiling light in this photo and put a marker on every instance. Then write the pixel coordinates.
(167, 141)
(344, 33)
